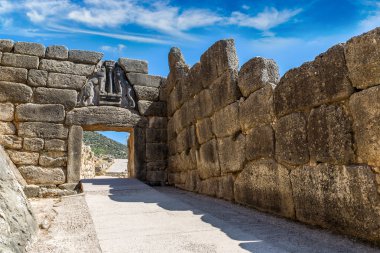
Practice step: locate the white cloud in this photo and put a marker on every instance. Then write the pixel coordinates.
(263, 21)
(38, 11)
(372, 20)
(113, 49)
(5, 6)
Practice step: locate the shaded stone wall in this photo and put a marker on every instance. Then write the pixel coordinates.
(306, 146)
(42, 119)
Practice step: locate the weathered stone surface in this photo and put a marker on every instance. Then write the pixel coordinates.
(156, 152)
(204, 104)
(7, 128)
(40, 113)
(257, 73)
(156, 135)
(224, 90)
(158, 122)
(146, 93)
(218, 59)
(40, 176)
(42, 130)
(257, 109)
(11, 74)
(11, 141)
(343, 198)
(32, 191)
(186, 139)
(55, 145)
(33, 144)
(74, 162)
(149, 108)
(265, 185)
(365, 109)
(231, 153)
(157, 166)
(94, 116)
(362, 57)
(57, 52)
(53, 159)
(208, 160)
(15, 92)
(132, 65)
(67, 98)
(204, 130)
(37, 77)
(18, 226)
(6, 45)
(6, 111)
(225, 122)
(192, 179)
(329, 135)
(260, 143)
(209, 186)
(144, 80)
(29, 48)
(23, 158)
(82, 56)
(20, 61)
(321, 81)
(291, 139)
(226, 187)
(65, 81)
(156, 177)
(66, 67)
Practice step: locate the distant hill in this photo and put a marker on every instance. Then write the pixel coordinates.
(101, 145)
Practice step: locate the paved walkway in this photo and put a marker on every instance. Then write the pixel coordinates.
(119, 166)
(130, 216)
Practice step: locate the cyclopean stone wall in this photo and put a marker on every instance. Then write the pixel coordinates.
(46, 100)
(306, 146)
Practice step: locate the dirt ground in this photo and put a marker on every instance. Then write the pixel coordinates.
(65, 226)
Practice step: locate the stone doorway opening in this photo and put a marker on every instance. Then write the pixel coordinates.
(107, 151)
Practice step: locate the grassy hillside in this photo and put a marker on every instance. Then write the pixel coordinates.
(102, 145)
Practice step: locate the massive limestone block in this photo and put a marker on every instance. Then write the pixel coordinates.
(18, 226)
(265, 185)
(42, 130)
(66, 67)
(57, 52)
(204, 130)
(321, 81)
(194, 80)
(226, 187)
(10, 74)
(362, 57)
(208, 160)
(11, 141)
(156, 177)
(66, 81)
(291, 139)
(29, 48)
(256, 74)
(88, 57)
(15, 92)
(94, 116)
(151, 108)
(39, 175)
(186, 139)
(209, 186)
(365, 109)
(20, 61)
(224, 90)
(6, 111)
(204, 104)
(156, 135)
(53, 159)
(67, 98)
(144, 80)
(23, 158)
(225, 122)
(132, 65)
(260, 143)
(7, 128)
(156, 152)
(33, 144)
(55, 145)
(146, 93)
(6, 45)
(342, 198)
(40, 113)
(158, 122)
(329, 135)
(37, 77)
(74, 162)
(231, 153)
(257, 109)
(157, 166)
(219, 58)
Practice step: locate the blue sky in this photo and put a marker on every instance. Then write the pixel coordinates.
(290, 32)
